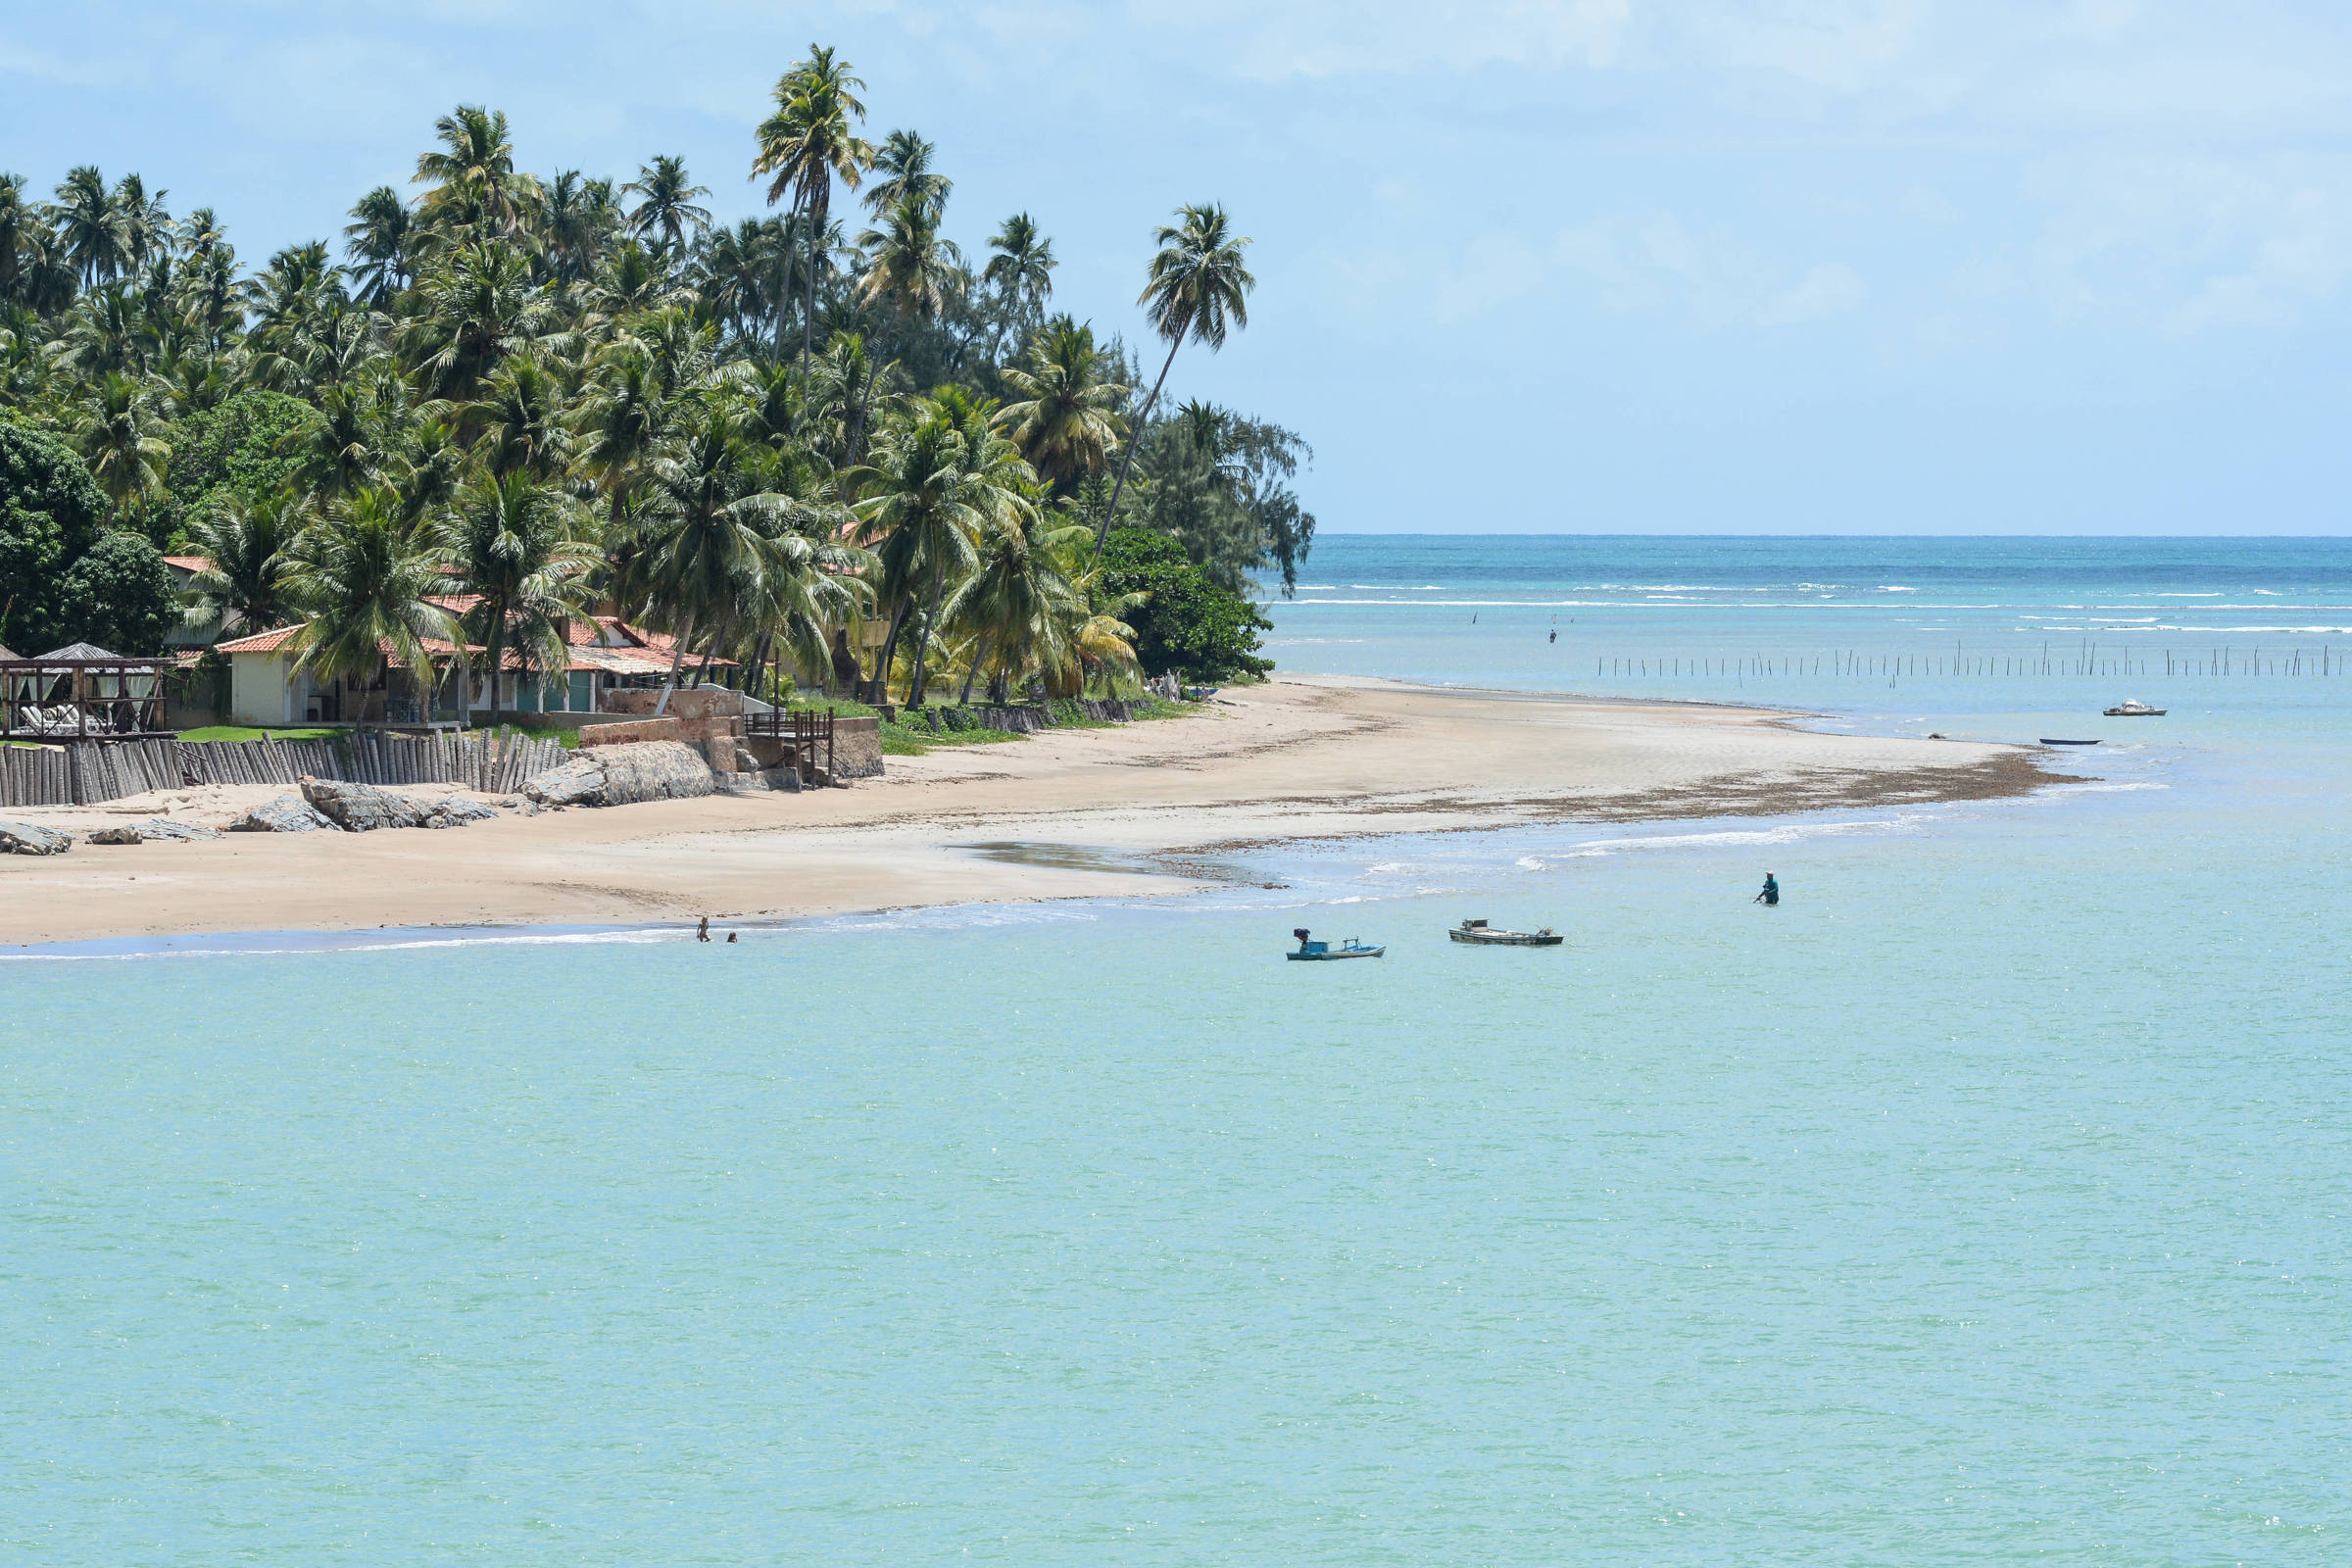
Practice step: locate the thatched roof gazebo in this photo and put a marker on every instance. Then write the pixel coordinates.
(81, 692)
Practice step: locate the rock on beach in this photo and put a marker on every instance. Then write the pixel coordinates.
(23, 838)
(288, 813)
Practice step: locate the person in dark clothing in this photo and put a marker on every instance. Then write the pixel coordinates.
(1771, 896)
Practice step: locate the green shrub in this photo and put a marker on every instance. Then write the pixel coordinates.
(1186, 623)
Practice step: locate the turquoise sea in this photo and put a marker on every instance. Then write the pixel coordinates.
(1988, 1202)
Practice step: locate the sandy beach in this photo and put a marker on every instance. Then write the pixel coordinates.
(1067, 814)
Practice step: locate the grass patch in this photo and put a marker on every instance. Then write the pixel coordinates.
(240, 732)
(570, 737)
(900, 739)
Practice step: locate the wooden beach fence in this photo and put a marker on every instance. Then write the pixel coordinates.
(2089, 661)
(494, 763)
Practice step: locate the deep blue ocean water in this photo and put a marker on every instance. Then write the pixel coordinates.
(1985, 1201)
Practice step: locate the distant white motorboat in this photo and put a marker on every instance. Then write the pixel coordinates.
(2129, 708)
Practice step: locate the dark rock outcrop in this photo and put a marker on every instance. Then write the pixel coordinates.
(154, 830)
(288, 813)
(23, 838)
(362, 807)
(624, 775)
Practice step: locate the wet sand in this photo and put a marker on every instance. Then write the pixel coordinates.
(1070, 814)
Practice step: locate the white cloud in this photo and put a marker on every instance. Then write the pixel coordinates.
(1829, 289)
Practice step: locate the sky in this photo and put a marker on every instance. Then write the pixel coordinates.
(1524, 265)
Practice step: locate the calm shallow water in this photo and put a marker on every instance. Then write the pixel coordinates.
(1986, 1201)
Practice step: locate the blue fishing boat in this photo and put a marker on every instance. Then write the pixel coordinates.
(1309, 949)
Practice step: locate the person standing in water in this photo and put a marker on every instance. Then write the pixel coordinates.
(1770, 898)
(702, 932)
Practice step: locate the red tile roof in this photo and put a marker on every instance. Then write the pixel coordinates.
(267, 642)
(189, 562)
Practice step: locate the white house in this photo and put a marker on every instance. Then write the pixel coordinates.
(266, 691)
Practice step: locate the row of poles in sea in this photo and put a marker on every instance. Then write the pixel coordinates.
(2090, 660)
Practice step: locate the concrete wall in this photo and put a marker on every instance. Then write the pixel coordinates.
(856, 748)
(701, 701)
(625, 731)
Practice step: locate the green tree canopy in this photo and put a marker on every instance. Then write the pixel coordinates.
(1185, 622)
(119, 594)
(51, 513)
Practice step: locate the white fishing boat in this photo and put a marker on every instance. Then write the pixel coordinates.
(2132, 709)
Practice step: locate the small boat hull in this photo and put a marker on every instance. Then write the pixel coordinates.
(2131, 713)
(1330, 953)
(1479, 934)
(2047, 741)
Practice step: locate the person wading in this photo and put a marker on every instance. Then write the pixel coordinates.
(1771, 896)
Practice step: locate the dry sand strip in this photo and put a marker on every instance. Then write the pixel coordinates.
(1298, 758)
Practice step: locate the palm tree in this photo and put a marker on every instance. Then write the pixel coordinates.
(806, 145)
(17, 217)
(922, 511)
(106, 334)
(146, 222)
(522, 414)
(472, 177)
(121, 435)
(905, 163)
(340, 447)
(246, 545)
(514, 541)
(89, 224)
(704, 533)
(1068, 421)
(576, 217)
(1197, 288)
(377, 238)
(475, 309)
(1021, 271)
(622, 420)
(908, 265)
(369, 586)
(667, 211)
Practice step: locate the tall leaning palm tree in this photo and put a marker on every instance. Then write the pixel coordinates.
(369, 586)
(514, 543)
(805, 146)
(1197, 288)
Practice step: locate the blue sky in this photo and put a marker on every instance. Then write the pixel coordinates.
(1812, 266)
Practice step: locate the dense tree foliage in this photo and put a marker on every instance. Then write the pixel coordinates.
(51, 513)
(561, 391)
(1183, 622)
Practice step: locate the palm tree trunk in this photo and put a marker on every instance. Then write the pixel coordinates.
(498, 641)
(1134, 440)
(879, 690)
(922, 646)
(677, 657)
(979, 654)
(816, 229)
(703, 673)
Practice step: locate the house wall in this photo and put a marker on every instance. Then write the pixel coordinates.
(259, 693)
